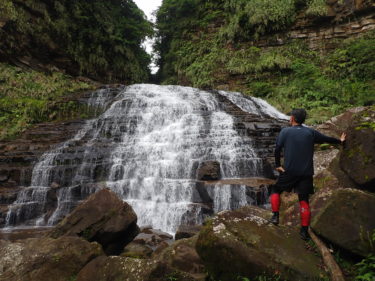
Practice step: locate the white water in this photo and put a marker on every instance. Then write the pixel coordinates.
(254, 105)
(145, 147)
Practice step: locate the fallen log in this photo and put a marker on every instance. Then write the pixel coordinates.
(329, 261)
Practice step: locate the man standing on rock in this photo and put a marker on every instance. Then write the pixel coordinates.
(297, 143)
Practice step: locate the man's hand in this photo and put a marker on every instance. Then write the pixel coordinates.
(343, 137)
(280, 169)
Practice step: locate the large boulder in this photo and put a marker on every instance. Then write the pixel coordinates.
(340, 123)
(45, 259)
(357, 159)
(125, 268)
(104, 218)
(347, 220)
(242, 243)
(209, 170)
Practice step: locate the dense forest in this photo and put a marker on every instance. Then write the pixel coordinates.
(98, 39)
(43, 42)
(236, 45)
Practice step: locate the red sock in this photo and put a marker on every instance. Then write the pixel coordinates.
(305, 213)
(275, 202)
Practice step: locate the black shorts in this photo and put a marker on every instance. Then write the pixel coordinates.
(298, 184)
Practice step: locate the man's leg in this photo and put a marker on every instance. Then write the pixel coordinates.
(275, 205)
(305, 215)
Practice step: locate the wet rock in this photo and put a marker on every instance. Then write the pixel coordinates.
(357, 159)
(243, 243)
(19, 234)
(102, 217)
(152, 237)
(209, 170)
(17, 157)
(137, 250)
(157, 233)
(146, 242)
(187, 231)
(347, 220)
(252, 190)
(44, 259)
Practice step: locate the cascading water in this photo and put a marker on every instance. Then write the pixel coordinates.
(146, 147)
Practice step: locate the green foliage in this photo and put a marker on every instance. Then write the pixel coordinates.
(29, 97)
(257, 16)
(72, 278)
(100, 39)
(365, 270)
(254, 61)
(7, 11)
(317, 8)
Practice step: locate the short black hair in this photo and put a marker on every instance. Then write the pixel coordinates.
(299, 115)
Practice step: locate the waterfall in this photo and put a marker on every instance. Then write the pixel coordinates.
(145, 146)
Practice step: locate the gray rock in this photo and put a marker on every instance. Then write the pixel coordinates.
(347, 220)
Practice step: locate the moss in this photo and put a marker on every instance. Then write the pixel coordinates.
(87, 233)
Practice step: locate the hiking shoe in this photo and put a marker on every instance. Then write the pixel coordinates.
(275, 218)
(304, 233)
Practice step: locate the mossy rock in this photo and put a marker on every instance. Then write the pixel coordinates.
(357, 160)
(43, 259)
(347, 220)
(243, 243)
(116, 268)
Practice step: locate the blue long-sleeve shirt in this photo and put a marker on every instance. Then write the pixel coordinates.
(298, 145)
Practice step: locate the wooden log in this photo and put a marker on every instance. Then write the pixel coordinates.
(329, 261)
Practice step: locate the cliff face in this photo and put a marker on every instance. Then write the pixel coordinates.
(294, 53)
(97, 39)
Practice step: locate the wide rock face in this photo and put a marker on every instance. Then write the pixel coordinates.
(243, 243)
(348, 220)
(357, 160)
(104, 218)
(124, 268)
(45, 259)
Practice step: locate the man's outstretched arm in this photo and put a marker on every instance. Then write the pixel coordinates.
(320, 138)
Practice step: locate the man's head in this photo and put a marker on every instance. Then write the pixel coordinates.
(298, 116)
